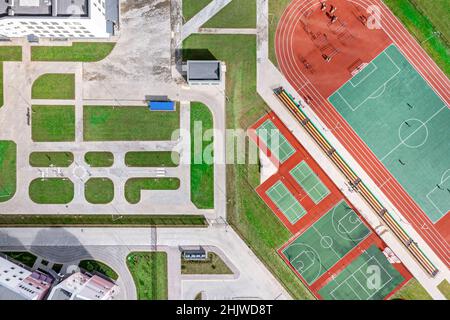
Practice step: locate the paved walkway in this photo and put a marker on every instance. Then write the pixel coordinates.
(268, 78)
(253, 280)
(194, 24)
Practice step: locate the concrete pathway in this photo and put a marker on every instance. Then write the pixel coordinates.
(253, 281)
(268, 78)
(202, 17)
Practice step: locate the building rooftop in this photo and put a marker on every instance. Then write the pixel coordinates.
(203, 70)
(39, 8)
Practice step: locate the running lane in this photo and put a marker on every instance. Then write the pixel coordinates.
(315, 84)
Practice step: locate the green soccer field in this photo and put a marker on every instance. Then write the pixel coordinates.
(369, 277)
(275, 141)
(405, 123)
(326, 242)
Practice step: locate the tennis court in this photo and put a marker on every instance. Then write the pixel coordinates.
(405, 123)
(275, 141)
(310, 182)
(369, 277)
(326, 242)
(286, 202)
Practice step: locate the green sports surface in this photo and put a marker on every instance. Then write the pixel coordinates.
(405, 123)
(310, 182)
(326, 242)
(275, 141)
(286, 202)
(369, 277)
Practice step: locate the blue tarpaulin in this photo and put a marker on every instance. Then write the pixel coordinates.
(161, 105)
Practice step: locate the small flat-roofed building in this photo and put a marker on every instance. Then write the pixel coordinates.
(18, 283)
(194, 254)
(80, 286)
(58, 18)
(204, 72)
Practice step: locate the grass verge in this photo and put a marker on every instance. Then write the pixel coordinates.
(53, 123)
(54, 86)
(413, 290)
(433, 39)
(78, 51)
(276, 9)
(99, 159)
(212, 265)
(93, 266)
(8, 170)
(202, 166)
(108, 123)
(192, 7)
(134, 186)
(236, 14)
(99, 190)
(247, 213)
(444, 287)
(51, 159)
(101, 220)
(149, 271)
(51, 191)
(152, 159)
(26, 258)
(8, 53)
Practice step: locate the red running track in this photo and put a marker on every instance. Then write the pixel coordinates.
(436, 235)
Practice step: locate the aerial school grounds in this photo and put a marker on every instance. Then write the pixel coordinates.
(333, 250)
(382, 97)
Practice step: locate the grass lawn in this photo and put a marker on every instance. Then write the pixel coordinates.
(57, 267)
(149, 271)
(444, 287)
(26, 258)
(202, 170)
(51, 159)
(54, 86)
(101, 220)
(134, 186)
(99, 159)
(192, 7)
(213, 265)
(276, 9)
(99, 190)
(236, 14)
(8, 167)
(107, 123)
(423, 18)
(8, 53)
(53, 123)
(79, 51)
(51, 191)
(93, 266)
(247, 213)
(152, 159)
(413, 290)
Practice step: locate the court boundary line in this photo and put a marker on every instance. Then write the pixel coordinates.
(369, 97)
(359, 270)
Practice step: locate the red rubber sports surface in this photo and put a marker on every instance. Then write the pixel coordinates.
(299, 50)
(314, 211)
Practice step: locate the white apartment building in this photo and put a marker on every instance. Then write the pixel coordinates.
(80, 286)
(59, 18)
(18, 283)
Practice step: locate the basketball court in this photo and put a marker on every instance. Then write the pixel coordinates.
(329, 236)
(326, 242)
(369, 277)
